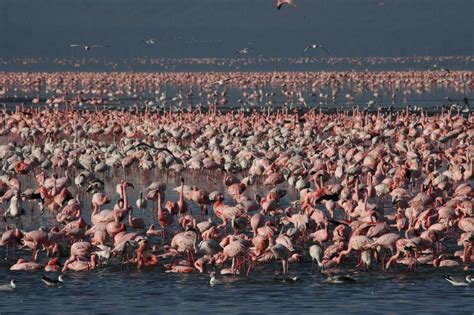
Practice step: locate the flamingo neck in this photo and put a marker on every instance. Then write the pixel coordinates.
(130, 215)
(159, 204)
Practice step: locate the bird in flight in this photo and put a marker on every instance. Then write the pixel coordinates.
(150, 41)
(280, 3)
(88, 47)
(223, 81)
(315, 46)
(243, 51)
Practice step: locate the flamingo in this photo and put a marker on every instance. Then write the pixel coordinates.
(185, 242)
(280, 3)
(356, 242)
(11, 237)
(283, 253)
(52, 265)
(182, 205)
(22, 264)
(165, 218)
(135, 222)
(34, 239)
(235, 249)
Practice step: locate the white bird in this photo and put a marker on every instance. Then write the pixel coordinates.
(316, 253)
(104, 252)
(150, 41)
(50, 282)
(14, 210)
(315, 46)
(88, 47)
(337, 279)
(214, 280)
(223, 81)
(243, 51)
(141, 202)
(287, 279)
(366, 257)
(8, 287)
(80, 179)
(459, 282)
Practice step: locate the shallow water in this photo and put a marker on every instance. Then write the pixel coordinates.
(252, 63)
(430, 100)
(152, 290)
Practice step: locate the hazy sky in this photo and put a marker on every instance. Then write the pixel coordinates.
(215, 28)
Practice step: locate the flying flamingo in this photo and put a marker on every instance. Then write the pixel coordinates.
(280, 3)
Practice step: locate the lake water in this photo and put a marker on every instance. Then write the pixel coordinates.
(153, 291)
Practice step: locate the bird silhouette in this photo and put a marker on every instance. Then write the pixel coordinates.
(316, 46)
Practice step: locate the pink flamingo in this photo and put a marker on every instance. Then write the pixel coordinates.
(280, 3)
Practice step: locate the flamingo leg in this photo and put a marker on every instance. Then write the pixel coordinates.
(33, 258)
(383, 259)
(392, 259)
(128, 262)
(359, 263)
(284, 264)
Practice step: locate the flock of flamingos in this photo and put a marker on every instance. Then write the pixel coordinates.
(370, 189)
(251, 62)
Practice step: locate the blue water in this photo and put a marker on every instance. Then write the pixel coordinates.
(431, 99)
(153, 291)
